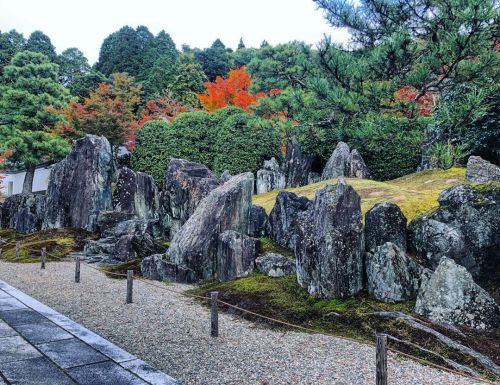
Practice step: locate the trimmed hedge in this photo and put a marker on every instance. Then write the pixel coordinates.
(227, 139)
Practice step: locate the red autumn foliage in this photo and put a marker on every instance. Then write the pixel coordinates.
(424, 103)
(163, 108)
(109, 110)
(232, 91)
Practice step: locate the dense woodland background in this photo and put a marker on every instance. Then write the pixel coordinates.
(417, 76)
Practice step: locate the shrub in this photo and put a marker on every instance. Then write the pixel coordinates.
(228, 139)
(390, 146)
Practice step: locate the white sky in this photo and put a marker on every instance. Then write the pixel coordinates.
(85, 24)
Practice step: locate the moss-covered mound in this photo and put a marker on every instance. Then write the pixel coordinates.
(414, 194)
(283, 299)
(58, 242)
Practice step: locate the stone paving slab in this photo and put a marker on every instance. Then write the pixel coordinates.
(34, 371)
(70, 353)
(15, 349)
(104, 373)
(21, 317)
(42, 332)
(6, 330)
(40, 346)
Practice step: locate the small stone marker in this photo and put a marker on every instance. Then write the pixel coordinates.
(77, 270)
(44, 251)
(130, 284)
(381, 359)
(18, 248)
(214, 321)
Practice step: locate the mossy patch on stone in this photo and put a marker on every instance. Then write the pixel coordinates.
(268, 246)
(414, 194)
(119, 271)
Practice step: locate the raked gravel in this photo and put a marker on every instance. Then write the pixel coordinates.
(171, 332)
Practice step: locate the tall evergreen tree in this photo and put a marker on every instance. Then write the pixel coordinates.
(32, 86)
(40, 42)
(10, 43)
(215, 61)
(72, 63)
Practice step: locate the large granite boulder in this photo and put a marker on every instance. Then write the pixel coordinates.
(275, 265)
(236, 255)
(338, 164)
(297, 165)
(481, 171)
(80, 185)
(283, 219)
(157, 268)
(258, 222)
(451, 296)
(186, 184)
(385, 222)
(346, 163)
(393, 276)
(127, 240)
(194, 247)
(136, 194)
(23, 212)
(465, 227)
(357, 167)
(329, 245)
(270, 177)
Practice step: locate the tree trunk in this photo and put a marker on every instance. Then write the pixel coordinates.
(28, 180)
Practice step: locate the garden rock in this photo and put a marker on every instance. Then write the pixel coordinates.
(80, 185)
(450, 295)
(393, 276)
(297, 165)
(136, 194)
(329, 246)
(338, 164)
(275, 265)
(194, 247)
(385, 222)
(270, 177)
(357, 167)
(23, 212)
(186, 184)
(283, 219)
(465, 227)
(258, 222)
(481, 171)
(236, 255)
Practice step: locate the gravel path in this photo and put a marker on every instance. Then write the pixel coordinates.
(171, 332)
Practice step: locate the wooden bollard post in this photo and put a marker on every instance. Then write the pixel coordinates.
(44, 251)
(130, 285)
(77, 270)
(18, 248)
(381, 359)
(214, 319)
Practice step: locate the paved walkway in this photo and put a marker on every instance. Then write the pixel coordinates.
(40, 346)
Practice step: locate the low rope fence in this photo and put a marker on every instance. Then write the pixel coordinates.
(380, 343)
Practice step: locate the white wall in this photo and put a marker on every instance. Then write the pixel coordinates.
(40, 181)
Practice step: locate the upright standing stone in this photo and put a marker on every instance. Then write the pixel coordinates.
(258, 222)
(194, 247)
(338, 164)
(297, 165)
(270, 177)
(186, 184)
(236, 255)
(385, 222)
(329, 246)
(80, 185)
(283, 219)
(357, 167)
(136, 194)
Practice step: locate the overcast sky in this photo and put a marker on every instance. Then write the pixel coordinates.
(84, 24)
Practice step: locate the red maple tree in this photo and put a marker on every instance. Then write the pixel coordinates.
(232, 91)
(408, 94)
